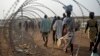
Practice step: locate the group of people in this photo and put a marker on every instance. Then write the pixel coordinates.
(67, 25)
(26, 25)
(60, 27)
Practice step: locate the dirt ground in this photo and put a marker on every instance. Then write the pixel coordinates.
(81, 45)
(82, 42)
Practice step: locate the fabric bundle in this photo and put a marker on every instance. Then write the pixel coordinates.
(68, 8)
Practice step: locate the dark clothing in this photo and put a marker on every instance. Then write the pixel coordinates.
(20, 24)
(64, 30)
(97, 43)
(54, 32)
(54, 20)
(45, 38)
(26, 25)
(91, 45)
(54, 37)
(62, 18)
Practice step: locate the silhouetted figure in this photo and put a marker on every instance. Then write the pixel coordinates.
(93, 29)
(29, 24)
(64, 15)
(45, 27)
(26, 25)
(20, 25)
(58, 28)
(70, 23)
(54, 30)
(64, 26)
(32, 24)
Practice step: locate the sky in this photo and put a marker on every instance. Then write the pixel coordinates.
(92, 5)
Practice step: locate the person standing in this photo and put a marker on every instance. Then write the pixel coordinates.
(93, 29)
(58, 27)
(45, 27)
(26, 25)
(54, 30)
(64, 30)
(69, 22)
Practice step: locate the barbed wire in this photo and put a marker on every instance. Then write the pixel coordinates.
(98, 2)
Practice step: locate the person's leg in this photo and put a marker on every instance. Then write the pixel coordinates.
(54, 36)
(43, 35)
(91, 46)
(56, 39)
(96, 45)
(72, 40)
(66, 50)
(46, 39)
(68, 44)
(71, 45)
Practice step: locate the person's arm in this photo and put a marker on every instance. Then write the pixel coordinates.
(86, 27)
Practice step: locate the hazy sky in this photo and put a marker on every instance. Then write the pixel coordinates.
(92, 5)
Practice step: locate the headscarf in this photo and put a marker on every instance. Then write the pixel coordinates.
(68, 8)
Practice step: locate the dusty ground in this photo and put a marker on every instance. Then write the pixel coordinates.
(81, 41)
(34, 38)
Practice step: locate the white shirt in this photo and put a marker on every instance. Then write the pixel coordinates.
(58, 28)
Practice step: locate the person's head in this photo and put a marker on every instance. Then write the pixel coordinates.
(68, 10)
(64, 15)
(45, 16)
(58, 17)
(68, 13)
(55, 17)
(91, 15)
